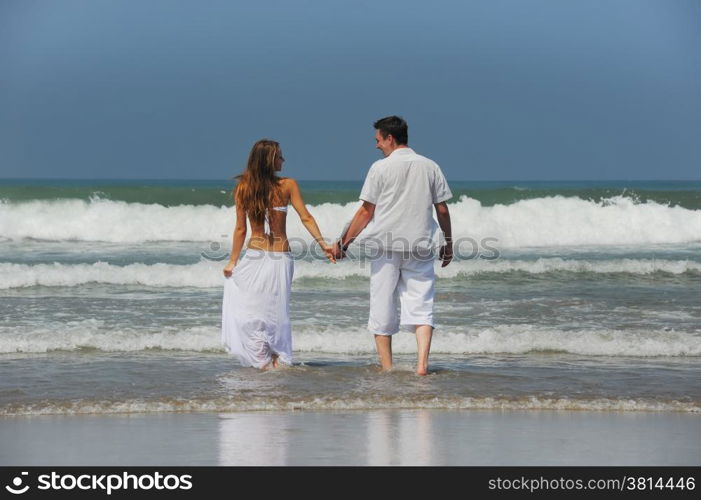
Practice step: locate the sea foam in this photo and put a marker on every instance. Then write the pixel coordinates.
(229, 404)
(548, 221)
(501, 339)
(208, 274)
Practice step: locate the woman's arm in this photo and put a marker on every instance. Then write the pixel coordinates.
(239, 238)
(307, 219)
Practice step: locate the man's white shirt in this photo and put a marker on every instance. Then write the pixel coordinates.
(404, 186)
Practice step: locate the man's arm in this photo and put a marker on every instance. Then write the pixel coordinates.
(443, 216)
(360, 220)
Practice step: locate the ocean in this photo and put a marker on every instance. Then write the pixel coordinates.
(563, 295)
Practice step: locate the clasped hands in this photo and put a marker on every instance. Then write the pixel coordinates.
(445, 255)
(338, 250)
(334, 251)
(329, 250)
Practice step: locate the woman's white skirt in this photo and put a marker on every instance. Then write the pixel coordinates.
(255, 309)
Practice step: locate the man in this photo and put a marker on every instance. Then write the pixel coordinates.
(397, 196)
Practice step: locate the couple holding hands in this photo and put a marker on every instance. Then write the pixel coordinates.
(399, 196)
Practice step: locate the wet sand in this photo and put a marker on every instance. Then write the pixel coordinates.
(379, 437)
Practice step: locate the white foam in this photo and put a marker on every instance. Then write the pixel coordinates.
(208, 274)
(348, 403)
(203, 275)
(571, 221)
(112, 221)
(504, 339)
(549, 221)
(556, 264)
(95, 334)
(511, 339)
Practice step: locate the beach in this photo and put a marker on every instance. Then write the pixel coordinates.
(361, 438)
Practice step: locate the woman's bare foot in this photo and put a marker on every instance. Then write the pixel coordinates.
(276, 361)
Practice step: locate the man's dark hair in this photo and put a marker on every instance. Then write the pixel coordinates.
(394, 125)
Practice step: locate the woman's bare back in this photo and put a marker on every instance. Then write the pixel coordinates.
(273, 238)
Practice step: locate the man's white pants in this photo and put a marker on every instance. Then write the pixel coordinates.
(400, 278)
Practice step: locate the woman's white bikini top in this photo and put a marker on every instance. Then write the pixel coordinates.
(266, 227)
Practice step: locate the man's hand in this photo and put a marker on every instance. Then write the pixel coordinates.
(362, 217)
(338, 252)
(443, 216)
(446, 254)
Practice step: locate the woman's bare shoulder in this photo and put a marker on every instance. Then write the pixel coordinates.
(287, 183)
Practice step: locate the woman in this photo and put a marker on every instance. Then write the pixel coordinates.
(255, 315)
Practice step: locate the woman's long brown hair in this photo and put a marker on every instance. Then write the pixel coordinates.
(259, 183)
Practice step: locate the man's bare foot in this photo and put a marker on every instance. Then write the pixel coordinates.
(276, 361)
(422, 371)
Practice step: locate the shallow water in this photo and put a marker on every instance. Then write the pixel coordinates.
(110, 304)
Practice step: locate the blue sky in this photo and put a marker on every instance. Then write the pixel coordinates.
(492, 90)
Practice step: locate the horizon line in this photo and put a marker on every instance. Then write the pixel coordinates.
(329, 180)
